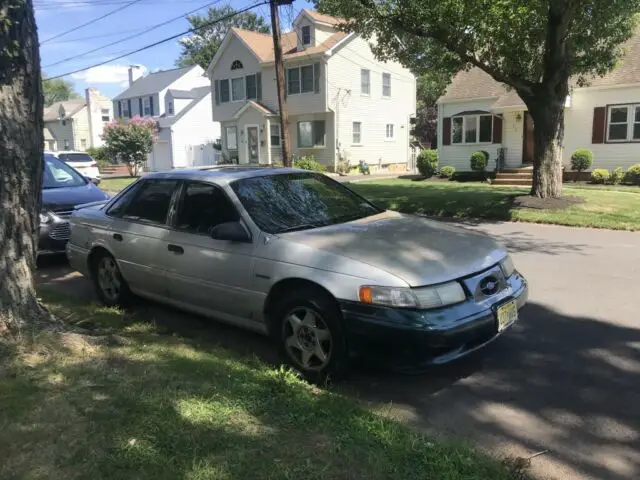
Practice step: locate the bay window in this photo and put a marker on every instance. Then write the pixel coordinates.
(311, 134)
(469, 129)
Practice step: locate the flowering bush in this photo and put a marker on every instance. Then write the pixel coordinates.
(130, 142)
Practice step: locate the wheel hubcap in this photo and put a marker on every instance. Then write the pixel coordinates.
(109, 278)
(307, 339)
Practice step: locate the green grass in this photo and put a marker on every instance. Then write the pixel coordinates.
(615, 207)
(116, 184)
(124, 400)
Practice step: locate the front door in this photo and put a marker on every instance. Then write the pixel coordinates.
(527, 141)
(253, 144)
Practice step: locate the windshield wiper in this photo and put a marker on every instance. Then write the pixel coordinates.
(302, 226)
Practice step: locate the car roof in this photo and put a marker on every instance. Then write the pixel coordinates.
(223, 174)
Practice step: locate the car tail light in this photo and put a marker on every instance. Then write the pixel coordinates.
(94, 164)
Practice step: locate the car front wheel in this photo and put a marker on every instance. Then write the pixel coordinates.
(111, 288)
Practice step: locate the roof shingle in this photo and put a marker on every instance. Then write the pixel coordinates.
(153, 83)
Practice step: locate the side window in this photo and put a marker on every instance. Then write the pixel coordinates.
(202, 207)
(151, 204)
(118, 207)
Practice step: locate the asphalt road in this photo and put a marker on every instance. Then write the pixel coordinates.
(565, 379)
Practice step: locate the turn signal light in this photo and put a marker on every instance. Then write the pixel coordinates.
(366, 295)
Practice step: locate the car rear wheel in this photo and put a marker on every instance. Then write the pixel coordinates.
(111, 288)
(311, 335)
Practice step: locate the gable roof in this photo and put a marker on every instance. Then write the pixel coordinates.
(475, 83)
(321, 17)
(71, 107)
(198, 94)
(154, 82)
(253, 104)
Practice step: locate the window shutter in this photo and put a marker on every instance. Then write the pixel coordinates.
(259, 85)
(140, 107)
(316, 77)
(129, 107)
(151, 112)
(497, 129)
(446, 131)
(216, 88)
(597, 133)
(119, 109)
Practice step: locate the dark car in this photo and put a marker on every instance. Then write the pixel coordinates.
(63, 189)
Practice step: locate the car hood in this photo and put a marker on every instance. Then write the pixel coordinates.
(418, 250)
(67, 198)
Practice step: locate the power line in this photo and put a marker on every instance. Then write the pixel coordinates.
(111, 12)
(164, 40)
(150, 29)
(93, 37)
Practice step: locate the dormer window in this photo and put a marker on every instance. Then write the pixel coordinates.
(306, 35)
(237, 65)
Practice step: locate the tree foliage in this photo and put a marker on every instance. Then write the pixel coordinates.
(200, 47)
(129, 142)
(430, 86)
(535, 47)
(57, 90)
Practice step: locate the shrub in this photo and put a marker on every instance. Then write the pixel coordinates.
(428, 162)
(600, 175)
(130, 142)
(479, 161)
(633, 175)
(308, 163)
(581, 159)
(447, 171)
(617, 176)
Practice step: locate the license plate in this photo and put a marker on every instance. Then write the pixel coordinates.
(507, 314)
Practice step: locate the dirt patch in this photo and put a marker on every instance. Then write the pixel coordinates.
(528, 201)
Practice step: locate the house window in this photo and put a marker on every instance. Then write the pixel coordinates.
(469, 129)
(304, 79)
(389, 133)
(66, 145)
(306, 35)
(224, 91)
(236, 65)
(124, 107)
(83, 143)
(357, 133)
(275, 135)
(104, 112)
(306, 73)
(170, 107)
(293, 81)
(311, 134)
(624, 123)
(146, 106)
(232, 138)
(386, 84)
(365, 81)
(252, 87)
(237, 89)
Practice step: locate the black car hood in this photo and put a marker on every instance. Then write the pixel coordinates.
(66, 198)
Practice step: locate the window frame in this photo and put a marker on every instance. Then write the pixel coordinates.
(226, 136)
(170, 107)
(255, 84)
(236, 65)
(353, 133)
(313, 76)
(228, 83)
(102, 114)
(243, 89)
(386, 75)
(146, 106)
(368, 84)
(388, 138)
(313, 134)
(83, 143)
(124, 108)
(307, 29)
(464, 128)
(630, 123)
(271, 135)
(140, 186)
(289, 92)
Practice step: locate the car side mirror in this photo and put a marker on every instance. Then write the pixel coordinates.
(230, 231)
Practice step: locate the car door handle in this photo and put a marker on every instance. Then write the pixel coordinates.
(177, 249)
(117, 236)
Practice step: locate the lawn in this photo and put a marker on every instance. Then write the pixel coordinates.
(115, 184)
(616, 207)
(122, 399)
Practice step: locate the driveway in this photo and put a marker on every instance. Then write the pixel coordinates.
(566, 379)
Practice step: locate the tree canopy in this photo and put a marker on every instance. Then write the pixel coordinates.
(534, 47)
(57, 90)
(199, 48)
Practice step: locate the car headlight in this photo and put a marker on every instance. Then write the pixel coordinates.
(507, 266)
(45, 218)
(425, 297)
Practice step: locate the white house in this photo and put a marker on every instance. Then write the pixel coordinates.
(180, 100)
(76, 124)
(340, 99)
(478, 113)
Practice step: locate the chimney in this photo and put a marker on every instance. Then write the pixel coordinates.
(131, 76)
(89, 93)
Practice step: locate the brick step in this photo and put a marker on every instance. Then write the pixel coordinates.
(514, 175)
(507, 181)
(517, 170)
(115, 169)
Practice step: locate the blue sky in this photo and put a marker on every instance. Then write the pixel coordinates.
(56, 16)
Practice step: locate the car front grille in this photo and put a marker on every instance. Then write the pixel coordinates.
(61, 231)
(63, 213)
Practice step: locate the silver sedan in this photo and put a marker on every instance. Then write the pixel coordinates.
(301, 258)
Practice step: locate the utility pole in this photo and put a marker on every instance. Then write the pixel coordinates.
(282, 94)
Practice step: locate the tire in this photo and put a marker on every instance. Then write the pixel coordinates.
(111, 287)
(308, 325)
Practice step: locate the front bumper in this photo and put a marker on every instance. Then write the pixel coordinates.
(408, 338)
(53, 237)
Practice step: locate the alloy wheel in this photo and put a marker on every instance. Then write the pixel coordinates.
(307, 339)
(109, 278)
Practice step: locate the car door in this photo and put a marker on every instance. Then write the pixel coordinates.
(205, 273)
(138, 229)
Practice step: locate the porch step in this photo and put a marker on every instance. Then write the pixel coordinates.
(528, 170)
(515, 176)
(508, 181)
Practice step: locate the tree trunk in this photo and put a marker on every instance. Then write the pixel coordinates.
(21, 163)
(548, 137)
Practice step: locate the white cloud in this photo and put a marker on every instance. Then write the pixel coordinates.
(104, 74)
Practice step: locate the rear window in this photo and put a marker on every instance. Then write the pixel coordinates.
(75, 157)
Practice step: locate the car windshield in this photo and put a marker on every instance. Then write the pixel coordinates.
(58, 174)
(299, 201)
(75, 157)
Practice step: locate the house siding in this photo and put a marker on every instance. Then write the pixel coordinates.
(578, 127)
(373, 111)
(297, 104)
(61, 133)
(81, 130)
